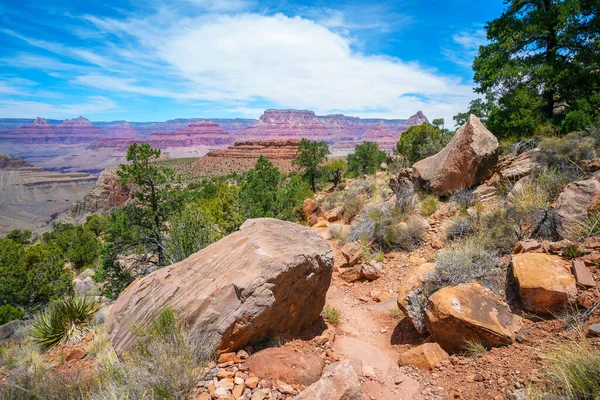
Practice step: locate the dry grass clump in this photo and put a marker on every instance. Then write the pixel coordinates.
(459, 228)
(465, 199)
(351, 206)
(428, 205)
(465, 262)
(405, 235)
(166, 364)
(473, 349)
(573, 371)
(332, 315)
(339, 232)
(567, 153)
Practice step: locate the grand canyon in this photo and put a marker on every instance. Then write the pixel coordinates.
(80, 145)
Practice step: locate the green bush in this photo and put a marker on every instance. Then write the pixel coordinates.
(351, 206)
(65, 321)
(428, 205)
(405, 235)
(19, 236)
(497, 231)
(9, 313)
(419, 142)
(31, 277)
(567, 153)
(366, 159)
(78, 244)
(332, 315)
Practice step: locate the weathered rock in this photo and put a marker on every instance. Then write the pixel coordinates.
(594, 330)
(76, 354)
(528, 246)
(285, 364)
(352, 253)
(411, 299)
(544, 281)
(582, 274)
(353, 274)
(339, 382)
(334, 214)
(467, 160)
(470, 312)
(424, 357)
(267, 278)
(572, 206)
(13, 330)
(371, 270)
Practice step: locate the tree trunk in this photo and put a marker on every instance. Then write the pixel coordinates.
(550, 58)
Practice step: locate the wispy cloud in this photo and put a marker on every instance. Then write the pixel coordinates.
(465, 46)
(26, 109)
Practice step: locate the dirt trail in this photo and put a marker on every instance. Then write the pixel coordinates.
(365, 336)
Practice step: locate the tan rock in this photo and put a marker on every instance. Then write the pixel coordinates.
(285, 364)
(352, 253)
(371, 270)
(76, 354)
(251, 382)
(339, 382)
(470, 312)
(269, 277)
(204, 396)
(467, 160)
(284, 387)
(582, 274)
(424, 357)
(227, 357)
(223, 373)
(334, 215)
(351, 274)
(411, 299)
(545, 284)
(572, 206)
(238, 391)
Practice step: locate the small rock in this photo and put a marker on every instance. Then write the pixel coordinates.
(582, 274)
(372, 270)
(76, 354)
(284, 388)
(594, 330)
(242, 355)
(252, 382)
(204, 396)
(227, 357)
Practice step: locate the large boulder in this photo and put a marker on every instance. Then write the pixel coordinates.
(544, 281)
(269, 277)
(572, 206)
(411, 298)
(339, 382)
(467, 160)
(287, 365)
(469, 312)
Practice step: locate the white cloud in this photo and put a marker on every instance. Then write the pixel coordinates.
(26, 109)
(465, 46)
(238, 60)
(292, 62)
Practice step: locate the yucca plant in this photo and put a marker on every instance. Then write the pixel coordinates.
(65, 321)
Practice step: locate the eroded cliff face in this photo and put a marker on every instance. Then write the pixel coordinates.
(31, 197)
(243, 155)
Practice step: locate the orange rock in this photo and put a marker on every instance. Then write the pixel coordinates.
(204, 396)
(470, 312)
(582, 274)
(76, 354)
(352, 253)
(545, 283)
(424, 357)
(227, 357)
(287, 365)
(410, 298)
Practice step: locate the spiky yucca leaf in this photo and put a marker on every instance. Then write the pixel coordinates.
(65, 321)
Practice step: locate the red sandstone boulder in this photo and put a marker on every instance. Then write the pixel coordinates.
(424, 357)
(544, 281)
(572, 206)
(470, 312)
(467, 160)
(339, 382)
(269, 277)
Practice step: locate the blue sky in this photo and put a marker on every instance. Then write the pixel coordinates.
(156, 60)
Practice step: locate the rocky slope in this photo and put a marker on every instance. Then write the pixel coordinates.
(30, 197)
(243, 155)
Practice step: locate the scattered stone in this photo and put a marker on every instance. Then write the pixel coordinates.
(204, 396)
(286, 365)
(352, 252)
(371, 270)
(582, 274)
(559, 247)
(339, 382)
(270, 276)
(467, 160)
(594, 330)
(456, 314)
(251, 382)
(227, 357)
(353, 274)
(284, 388)
(545, 284)
(76, 354)
(411, 299)
(424, 357)
(334, 215)
(242, 354)
(572, 206)
(528, 246)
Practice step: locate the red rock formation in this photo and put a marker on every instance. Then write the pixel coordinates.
(243, 155)
(78, 130)
(203, 132)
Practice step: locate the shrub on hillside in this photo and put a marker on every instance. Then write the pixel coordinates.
(351, 206)
(405, 235)
(366, 159)
(78, 244)
(566, 153)
(64, 322)
(465, 199)
(428, 205)
(497, 231)
(419, 142)
(31, 277)
(459, 228)
(462, 263)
